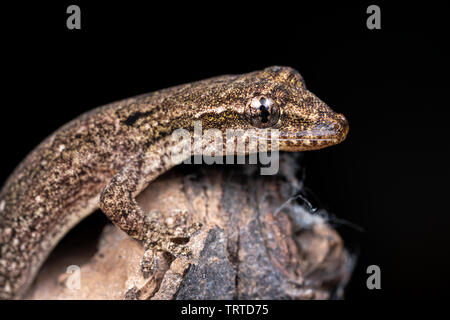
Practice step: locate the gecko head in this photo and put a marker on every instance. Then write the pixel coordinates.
(278, 99)
(274, 98)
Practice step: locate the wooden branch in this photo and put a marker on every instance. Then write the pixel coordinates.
(254, 244)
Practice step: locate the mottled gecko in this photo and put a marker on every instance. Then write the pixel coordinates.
(107, 156)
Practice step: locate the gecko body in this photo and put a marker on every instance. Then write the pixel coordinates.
(107, 156)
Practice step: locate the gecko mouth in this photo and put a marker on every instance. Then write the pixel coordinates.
(301, 144)
(321, 136)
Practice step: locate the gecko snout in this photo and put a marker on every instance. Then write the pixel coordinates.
(340, 127)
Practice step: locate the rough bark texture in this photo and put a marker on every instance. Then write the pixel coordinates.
(256, 243)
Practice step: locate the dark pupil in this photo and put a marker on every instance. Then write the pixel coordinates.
(264, 111)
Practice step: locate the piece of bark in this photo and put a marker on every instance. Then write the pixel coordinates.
(256, 242)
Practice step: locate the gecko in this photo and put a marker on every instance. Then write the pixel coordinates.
(104, 158)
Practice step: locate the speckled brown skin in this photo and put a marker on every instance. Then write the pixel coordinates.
(105, 157)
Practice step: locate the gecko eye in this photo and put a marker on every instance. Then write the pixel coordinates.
(262, 112)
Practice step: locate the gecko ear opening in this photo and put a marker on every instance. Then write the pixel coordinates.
(262, 112)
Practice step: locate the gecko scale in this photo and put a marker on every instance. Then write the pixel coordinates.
(107, 156)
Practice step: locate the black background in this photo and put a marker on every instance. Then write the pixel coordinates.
(391, 174)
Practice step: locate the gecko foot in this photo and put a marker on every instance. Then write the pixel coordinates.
(165, 240)
(154, 261)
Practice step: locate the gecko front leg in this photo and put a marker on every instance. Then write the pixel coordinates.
(158, 235)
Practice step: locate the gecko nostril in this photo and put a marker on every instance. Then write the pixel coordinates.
(342, 118)
(343, 126)
(341, 123)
